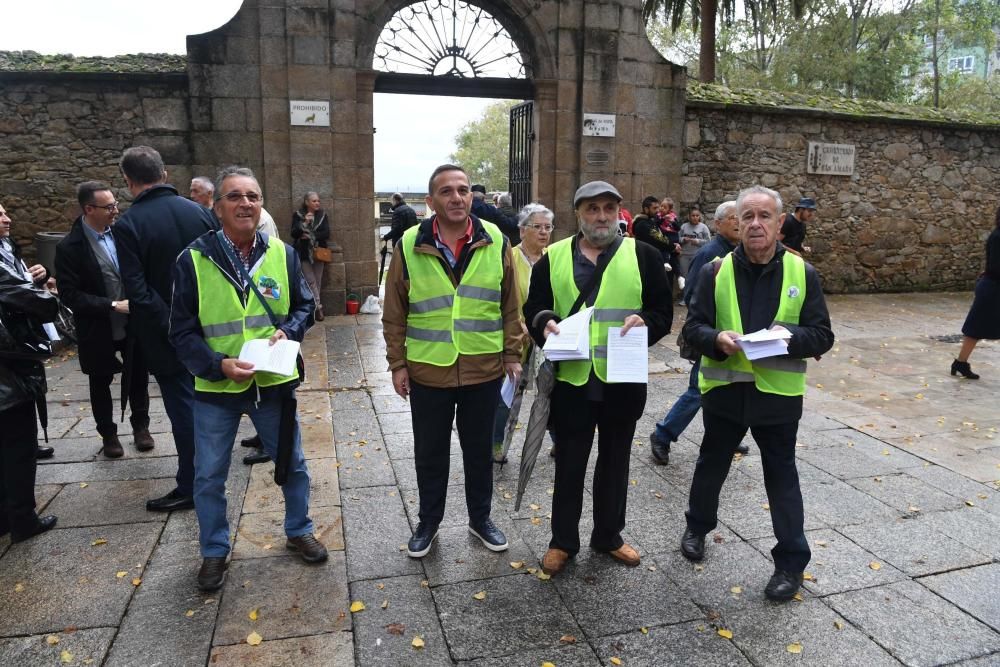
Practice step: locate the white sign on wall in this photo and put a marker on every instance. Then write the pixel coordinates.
(598, 125)
(837, 159)
(311, 113)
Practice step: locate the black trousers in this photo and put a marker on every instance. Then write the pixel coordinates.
(18, 440)
(433, 410)
(573, 422)
(102, 404)
(781, 479)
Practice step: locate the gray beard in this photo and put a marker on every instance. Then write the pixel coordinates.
(598, 239)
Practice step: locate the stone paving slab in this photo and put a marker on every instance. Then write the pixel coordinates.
(974, 590)
(101, 503)
(384, 636)
(971, 526)
(573, 655)
(285, 609)
(904, 493)
(682, 644)
(333, 648)
(914, 625)
(74, 572)
(458, 555)
(262, 534)
(913, 546)
(97, 471)
(81, 647)
(839, 565)
(364, 464)
(375, 523)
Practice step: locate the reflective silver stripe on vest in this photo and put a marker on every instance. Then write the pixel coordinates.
(613, 314)
(600, 352)
(725, 374)
(434, 303)
(222, 329)
(432, 335)
(783, 363)
(479, 326)
(255, 321)
(481, 293)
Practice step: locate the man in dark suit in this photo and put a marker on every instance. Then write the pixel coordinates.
(90, 284)
(403, 217)
(149, 236)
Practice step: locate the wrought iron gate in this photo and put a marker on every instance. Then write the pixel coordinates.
(522, 135)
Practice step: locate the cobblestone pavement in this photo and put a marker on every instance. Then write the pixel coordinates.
(899, 465)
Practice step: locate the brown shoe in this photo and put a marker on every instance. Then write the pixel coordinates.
(626, 554)
(308, 547)
(112, 446)
(143, 440)
(554, 561)
(319, 314)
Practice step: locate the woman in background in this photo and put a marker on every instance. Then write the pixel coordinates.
(983, 320)
(311, 230)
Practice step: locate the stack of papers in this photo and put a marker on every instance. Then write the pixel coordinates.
(765, 343)
(278, 358)
(572, 343)
(628, 355)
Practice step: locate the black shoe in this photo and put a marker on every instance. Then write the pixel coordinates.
(212, 573)
(143, 440)
(252, 442)
(692, 546)
(421, 541)
(170, 502)
(491, 536)
(49, 452)
(308, 547)
(964, 369)
(44, 523)
(250, 459)
(112, 446)
(660, 449)
(743, 449)
(783, 585)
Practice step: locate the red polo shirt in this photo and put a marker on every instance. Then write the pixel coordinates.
(456, 250)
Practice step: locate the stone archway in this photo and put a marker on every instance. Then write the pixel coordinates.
(585, 57)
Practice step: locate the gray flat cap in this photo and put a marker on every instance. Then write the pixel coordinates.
(595, 189)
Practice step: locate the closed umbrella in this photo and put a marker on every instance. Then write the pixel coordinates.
(537, 424)
(515, 410)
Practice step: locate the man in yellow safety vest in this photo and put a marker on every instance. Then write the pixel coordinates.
(452, 332)
(758, 286)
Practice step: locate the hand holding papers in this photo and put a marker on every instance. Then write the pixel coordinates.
(765, 343)
(278, 358)
(573, 340)
(628, 356)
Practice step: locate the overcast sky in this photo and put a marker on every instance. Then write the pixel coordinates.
(414, 133)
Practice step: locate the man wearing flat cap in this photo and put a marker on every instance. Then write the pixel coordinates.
(793, 230)
(625, 283)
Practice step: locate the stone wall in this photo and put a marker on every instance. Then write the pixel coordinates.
(58, 129)
(914, 216)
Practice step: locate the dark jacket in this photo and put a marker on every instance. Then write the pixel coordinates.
(403, 217)
(149, 236)
(321, 233)
(23, 380)
(507, 224)
(742, 402)
(469, 369)
(185, 326)
(82, 289)
(648, 231)
(793, 232)
(717, 247)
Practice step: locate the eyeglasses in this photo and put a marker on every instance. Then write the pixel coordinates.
(110, 208)
(542, 228)
(236, 197)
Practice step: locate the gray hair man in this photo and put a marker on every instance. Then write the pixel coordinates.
(758, 286)
(201, 191)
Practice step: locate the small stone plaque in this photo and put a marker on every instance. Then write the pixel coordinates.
(598, 125)
(837, 159)
(598, 158)
(314, 113)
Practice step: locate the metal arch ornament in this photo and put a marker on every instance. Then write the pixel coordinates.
(448, 38)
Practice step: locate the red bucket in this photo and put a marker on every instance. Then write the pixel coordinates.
(353, 305)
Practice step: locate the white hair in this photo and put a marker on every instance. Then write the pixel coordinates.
(505, 200)
(723, 209)
(531, 210)
(205, 182)
(759, 190)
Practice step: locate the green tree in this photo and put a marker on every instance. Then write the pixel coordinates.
(955, 23)
(482, 146)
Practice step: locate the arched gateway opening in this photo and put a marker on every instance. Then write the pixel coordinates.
(250, 80)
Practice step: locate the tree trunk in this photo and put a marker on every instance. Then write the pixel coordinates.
(706, 56)
(934, 55)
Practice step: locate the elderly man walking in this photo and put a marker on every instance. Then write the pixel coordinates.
(758, 286)
(452, 331)
(625, 283)
(232, 286)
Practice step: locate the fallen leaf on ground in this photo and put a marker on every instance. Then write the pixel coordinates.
(136, 581)
(424, 583)
(395, 628)
(797, 597)
(567, 639)
(736, 590)
(517, 564)
(766, 506)
(548, 664)
(535, 506)
(838, 625)
(875, 565)
(189, 613)
(507, 496)
(644, 631)
(616, 660)
(481, 595)
(98, 542)
(970, 503)
(254, 639)
(254, 614)
(66, 657)
(725, 634)
(380, 586)
(808, 576)
(385, 603)
(121, 574)
(84, 485)
(794, 648)
(51, 640)
(417, 642)
(357, 606)
(18, 588)
(544, 577)
(532, 570)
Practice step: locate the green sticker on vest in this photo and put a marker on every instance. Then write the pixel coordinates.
(269, 288)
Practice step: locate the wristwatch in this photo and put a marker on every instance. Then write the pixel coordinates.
(114, 305)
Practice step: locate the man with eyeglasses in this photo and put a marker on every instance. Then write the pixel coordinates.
(149, 236)
(232, 286)
(90, 284)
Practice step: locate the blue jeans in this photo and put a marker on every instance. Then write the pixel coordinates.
(669, 429)
(178, 400)
(215, 429)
